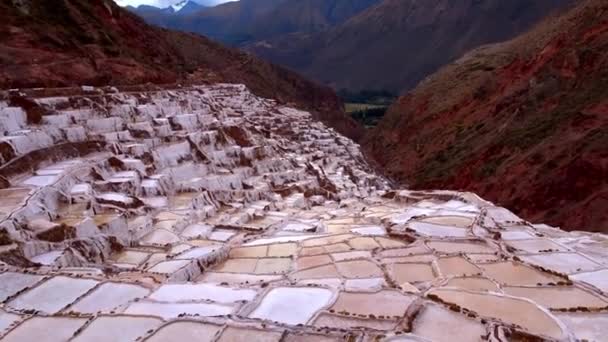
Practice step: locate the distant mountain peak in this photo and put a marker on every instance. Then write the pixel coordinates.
(180, 5)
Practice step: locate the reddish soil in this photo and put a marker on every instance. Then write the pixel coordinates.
(59, 43)
(522, 123)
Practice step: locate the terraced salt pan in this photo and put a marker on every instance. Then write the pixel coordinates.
(411, 273)
(107, 297)
(185, 331)
(298, 227)
(131, 257)
(117, 328)
(363, 243)
(351, 255)
(229, 191)
(51, 329)
(435, 230)
(197, 292)
(473, 284)
(279, 303)
(586, 326)
(456, 266)
(364, 285)
(6, 320)
(536, 245)
(233, 334)
(11, 283)
(221, 235)
(358, 269)
(53, 295)
(345, 322)
(455, 221)
(321, 272)
(516, 235)
(281, 239)
(313, 261)
(566, 263)
(371, 230)
(383, 303)
(441, 325)
(282, 250)
(47, 258)
(174, 310)
(511, 273)
(558, 297)
(160, 237)
(169, 267)
(599, 279)
(237, 278)
(199, 253)
(196, 231)
(460, 247)
(507, 309)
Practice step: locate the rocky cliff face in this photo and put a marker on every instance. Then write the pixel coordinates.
(73, 42)
(523, 123)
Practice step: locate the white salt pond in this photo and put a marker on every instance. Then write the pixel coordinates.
(292, 305)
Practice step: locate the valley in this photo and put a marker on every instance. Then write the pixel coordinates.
(442, 176)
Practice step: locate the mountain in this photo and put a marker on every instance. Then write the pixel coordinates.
(248, 21)
(187, 7)
(395, 44)
(56, 43)
(162, 16)
(523, 123)
(306, 16)
(227, 22)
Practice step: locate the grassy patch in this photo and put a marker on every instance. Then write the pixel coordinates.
(367, 114)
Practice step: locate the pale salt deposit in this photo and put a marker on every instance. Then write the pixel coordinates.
(207, 213)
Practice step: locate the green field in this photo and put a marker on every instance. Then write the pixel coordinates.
(367, 114)
(360, 107)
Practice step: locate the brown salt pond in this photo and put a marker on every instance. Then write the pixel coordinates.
(456, 266)
(185, 331)
(558, 297)
(441, 325)
(512, 273)
(359, 269)
(473, 284)
(455, 221)
(448, 247)
(379, 304)
(411, 273)
(233, 334)
(345, 322)
(507, 309)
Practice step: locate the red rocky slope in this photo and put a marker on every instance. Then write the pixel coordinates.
(523, 123)
(51, 43)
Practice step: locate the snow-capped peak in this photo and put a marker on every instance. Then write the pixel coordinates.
(178, 6)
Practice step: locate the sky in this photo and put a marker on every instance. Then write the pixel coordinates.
(163, 3)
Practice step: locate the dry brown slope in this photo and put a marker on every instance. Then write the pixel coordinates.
(523, 123)
(51, 43)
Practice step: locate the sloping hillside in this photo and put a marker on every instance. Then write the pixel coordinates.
(247, 21)
(394, 45)
(523, 123)
(55, 43)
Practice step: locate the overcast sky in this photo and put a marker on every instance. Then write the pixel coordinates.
(162, 3)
